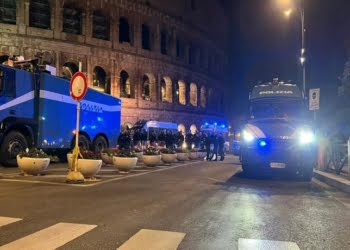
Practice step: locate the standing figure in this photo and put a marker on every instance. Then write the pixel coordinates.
(221, 145)
(214, 141)
(207, 147)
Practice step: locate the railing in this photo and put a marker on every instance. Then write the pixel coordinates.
(336, 158)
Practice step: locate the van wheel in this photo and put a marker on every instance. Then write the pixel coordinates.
(13, 144)
(100, 143)
(84, 143)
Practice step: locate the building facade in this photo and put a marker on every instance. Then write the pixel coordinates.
(165, 59)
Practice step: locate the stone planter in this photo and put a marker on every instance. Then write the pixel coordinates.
(182, 156)
(139, 156)
(202, 155)
(124, 164)
(32, 166)
(107, 159)
(193, 156)
(169, 158)
(89, 168)
(151, 160)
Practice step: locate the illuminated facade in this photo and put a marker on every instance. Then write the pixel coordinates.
(165, 59)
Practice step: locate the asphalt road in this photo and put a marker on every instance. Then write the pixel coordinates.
(212, 204)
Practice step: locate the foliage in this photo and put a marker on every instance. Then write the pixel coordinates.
(125, 153)
(34, 153)
(110, 151)
(90, 155)
(138, 150)
(167, 151)
(182, 150)
(194, 150)
(151, 151)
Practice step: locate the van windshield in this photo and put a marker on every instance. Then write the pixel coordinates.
(291, 109)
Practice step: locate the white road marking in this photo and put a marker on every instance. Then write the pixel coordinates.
(255, 244)
(117, 178)
(50, 238)
(8, 220)
(153, 240)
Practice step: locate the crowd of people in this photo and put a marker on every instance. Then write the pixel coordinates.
(212, 143)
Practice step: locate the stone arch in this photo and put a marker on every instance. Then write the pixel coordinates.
(203, 97)
(193, 129)
(101, 25)
(148, 87)
(8, 10)
(181, 128)
(72, 19)
(69, 69)
(181, 92)
(126, 88)
(124, 30)
(193, 94)
(40, 14)
(101, 81)
(166, 87)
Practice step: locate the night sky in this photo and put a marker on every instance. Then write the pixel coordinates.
(265, 45)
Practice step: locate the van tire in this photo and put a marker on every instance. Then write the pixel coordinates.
(100, 143)
(14, 143)
(84, 142)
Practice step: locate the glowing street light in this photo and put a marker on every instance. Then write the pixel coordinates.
(288, 12)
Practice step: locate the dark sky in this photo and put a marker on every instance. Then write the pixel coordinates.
(267, 45)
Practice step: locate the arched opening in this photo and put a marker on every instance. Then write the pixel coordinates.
(69, 69)
(181, 128)
(8, 11)
(163, 90)
(203, 97)
(72, 20)
(210, 97)
(193, 129)
(124, 30)
(100, 80)
(100, 25)
(146, 37)
(146, 88)
(193, 95)
(166, 88)
(40, 14)
(181, 92)
(125, 85)
(163, 42)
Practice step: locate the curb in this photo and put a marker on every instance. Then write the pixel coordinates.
(333, 180)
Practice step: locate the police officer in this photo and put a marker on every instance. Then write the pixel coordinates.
(221, 145)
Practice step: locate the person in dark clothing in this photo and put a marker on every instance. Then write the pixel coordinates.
(180, 139)
(169, 140)
(207, 147)
(214, 141)
(152, 137)
(221, 144)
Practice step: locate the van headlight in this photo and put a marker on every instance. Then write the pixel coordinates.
(248, 136)
(306, 137)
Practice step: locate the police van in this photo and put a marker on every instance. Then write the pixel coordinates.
(36, 110)
(279, 133)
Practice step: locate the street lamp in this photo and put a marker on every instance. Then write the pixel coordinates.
(289, 7)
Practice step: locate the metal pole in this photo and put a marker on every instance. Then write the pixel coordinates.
(303, 44)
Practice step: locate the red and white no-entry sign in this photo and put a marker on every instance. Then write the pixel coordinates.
(78, 86)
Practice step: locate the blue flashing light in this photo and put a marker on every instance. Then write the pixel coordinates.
(206, 124)
(262, 143)
(215, 123)
(99, 119)
(223, 126)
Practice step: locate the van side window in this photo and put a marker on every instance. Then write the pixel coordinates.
(2, 80)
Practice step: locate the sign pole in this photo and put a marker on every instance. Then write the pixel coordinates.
(78, 89)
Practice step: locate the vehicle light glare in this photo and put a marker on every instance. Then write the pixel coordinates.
(262, 144)
(248, 137)
(306, 137)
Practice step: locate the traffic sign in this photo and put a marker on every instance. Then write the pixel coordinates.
(78, 86)
(314, 99)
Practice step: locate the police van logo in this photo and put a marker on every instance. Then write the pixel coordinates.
(92, 108)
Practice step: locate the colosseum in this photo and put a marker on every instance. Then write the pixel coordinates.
(165, 59)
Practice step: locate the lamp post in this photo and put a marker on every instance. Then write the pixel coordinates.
(301, 10)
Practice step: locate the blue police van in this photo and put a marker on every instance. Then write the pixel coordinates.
(279, 133)
(36, 110)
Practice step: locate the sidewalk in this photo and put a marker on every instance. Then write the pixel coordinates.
(341, 182)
